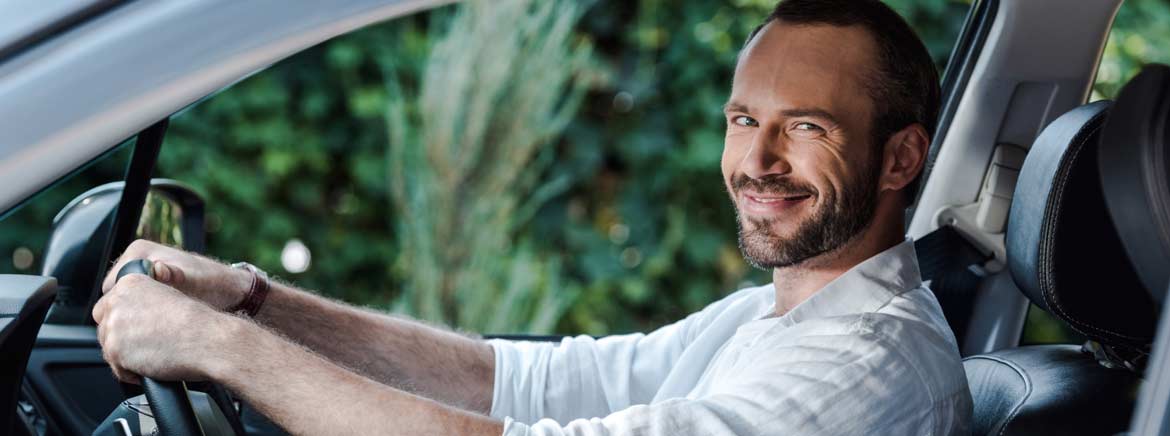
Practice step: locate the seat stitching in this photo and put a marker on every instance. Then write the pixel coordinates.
(1047, 282)
(1027, 388)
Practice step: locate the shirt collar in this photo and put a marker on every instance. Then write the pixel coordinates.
(866, 287)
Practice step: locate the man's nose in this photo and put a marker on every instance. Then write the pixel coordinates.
(766, 156)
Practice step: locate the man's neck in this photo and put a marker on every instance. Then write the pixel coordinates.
(797, 283)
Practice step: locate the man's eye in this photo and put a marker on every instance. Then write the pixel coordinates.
(745, 121)
(808, 127)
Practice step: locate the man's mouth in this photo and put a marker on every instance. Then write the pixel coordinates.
(777, 198)
(769, 204)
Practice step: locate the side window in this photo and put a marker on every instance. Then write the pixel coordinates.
(543, 170)
(1136, 39)
(25, 230)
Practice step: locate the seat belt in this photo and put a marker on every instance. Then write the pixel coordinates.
(952, 265)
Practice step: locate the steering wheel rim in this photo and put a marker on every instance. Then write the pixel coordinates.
(169, 403)
(171, 406)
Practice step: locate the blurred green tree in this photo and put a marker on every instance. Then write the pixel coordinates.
(466, 158)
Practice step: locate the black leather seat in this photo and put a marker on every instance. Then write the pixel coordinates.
(1135, 174)
(1065, 254)
(1048, 390)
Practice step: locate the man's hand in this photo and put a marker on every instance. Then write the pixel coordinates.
(147, 328)
(217, 284)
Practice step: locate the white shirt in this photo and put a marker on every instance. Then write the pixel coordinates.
(870, 353)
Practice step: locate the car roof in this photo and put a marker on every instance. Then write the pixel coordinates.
(24, 23)
(74, 95)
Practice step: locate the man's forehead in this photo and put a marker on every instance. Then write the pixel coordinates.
(806, 64)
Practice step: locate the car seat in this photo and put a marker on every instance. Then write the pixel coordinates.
(1068, 257)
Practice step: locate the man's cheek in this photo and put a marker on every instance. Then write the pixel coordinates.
(729, 159)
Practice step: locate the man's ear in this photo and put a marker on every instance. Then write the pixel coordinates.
(903, 157)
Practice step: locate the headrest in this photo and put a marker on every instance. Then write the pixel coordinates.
(1062, 249)
(1134, 161)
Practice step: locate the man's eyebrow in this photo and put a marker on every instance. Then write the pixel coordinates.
(810, 112)
(813, 112)
(732, 106)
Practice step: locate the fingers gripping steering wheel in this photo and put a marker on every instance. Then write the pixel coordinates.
(169, 402)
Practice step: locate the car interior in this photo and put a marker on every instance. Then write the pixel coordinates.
(1067, 258)
(1031, 197)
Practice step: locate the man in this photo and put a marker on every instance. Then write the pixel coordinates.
(828, 125)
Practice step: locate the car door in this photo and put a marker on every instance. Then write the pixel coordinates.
(67, 387)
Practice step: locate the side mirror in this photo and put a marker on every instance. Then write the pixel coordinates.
(173, 215)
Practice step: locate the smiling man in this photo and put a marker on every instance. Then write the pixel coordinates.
(828, 125)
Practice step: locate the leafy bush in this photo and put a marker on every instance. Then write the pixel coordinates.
(466, 156)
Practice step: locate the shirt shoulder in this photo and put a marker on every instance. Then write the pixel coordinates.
(842, 375)
(913, 323)
(905, 348)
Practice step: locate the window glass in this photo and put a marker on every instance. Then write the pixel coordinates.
(1137, 38)
(569, 182)
(24, 231)
(1041, 327)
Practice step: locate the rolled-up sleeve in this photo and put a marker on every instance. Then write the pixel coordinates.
(581, 376)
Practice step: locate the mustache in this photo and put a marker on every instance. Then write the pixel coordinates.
(770, 185)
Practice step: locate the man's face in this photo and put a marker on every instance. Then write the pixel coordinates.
(799, 160)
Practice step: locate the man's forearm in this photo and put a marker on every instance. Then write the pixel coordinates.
(306, 394)
(405, 354)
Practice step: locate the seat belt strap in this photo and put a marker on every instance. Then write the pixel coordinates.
(944, 250)
(949, 262)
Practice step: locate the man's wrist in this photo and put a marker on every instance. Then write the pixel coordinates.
(236, 344)
(231, 288)
(241, 284)
(257, 290)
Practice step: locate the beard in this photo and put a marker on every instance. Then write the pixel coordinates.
(836, 222)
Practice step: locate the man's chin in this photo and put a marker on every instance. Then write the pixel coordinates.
(766, 250)
(769, 244)
(778, 229)
(768, 261)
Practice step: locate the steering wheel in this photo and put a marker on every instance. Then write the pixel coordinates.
(169, 402)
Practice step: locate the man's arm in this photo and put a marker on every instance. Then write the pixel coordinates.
(405, 354)
(299, 390)
(409, 355)
(306, 394)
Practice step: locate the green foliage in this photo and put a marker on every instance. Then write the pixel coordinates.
(1139, 36)
(466, 154)
(619, 223)
(298, 151)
